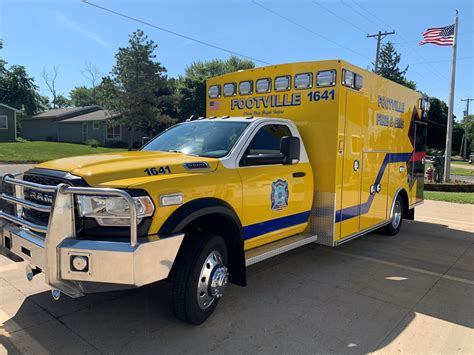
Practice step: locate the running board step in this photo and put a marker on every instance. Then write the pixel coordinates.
(266, 251)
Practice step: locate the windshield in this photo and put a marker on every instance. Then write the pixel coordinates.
(204, 138)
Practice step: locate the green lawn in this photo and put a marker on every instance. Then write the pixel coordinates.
(457, 197)
(456, 170)
(26, 152)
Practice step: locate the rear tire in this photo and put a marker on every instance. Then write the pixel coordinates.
(396, 217)
(198, 277)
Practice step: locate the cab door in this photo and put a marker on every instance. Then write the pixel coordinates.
(275, 197)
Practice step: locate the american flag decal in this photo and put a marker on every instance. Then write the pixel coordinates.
(214, 105)
(441, 36)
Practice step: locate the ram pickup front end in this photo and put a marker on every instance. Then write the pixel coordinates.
(63, 228)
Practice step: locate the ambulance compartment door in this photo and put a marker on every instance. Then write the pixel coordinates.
(374, 189)
(355, 121)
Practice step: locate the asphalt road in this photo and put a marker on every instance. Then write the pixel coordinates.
(410, 293)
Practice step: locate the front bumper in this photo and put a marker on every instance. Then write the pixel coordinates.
(53, 248)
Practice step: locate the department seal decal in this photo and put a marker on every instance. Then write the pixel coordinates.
(279, 195)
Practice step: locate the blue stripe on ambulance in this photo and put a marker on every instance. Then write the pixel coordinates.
(363, 208)
(261, 228)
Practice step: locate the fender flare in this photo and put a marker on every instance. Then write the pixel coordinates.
(195, 209)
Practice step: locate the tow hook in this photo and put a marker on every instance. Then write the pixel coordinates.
(31, 271)
(55, 293)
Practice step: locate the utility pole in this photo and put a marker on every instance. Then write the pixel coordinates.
(466, 120)
(380, 36)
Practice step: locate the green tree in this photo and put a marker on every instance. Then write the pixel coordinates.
(438, 118)
(102, 95)
(139, 79)
(468, 125)
(82, 96)
(192, 87)
(3, 63)
(62, 102)
(18, 89)
(389, 60)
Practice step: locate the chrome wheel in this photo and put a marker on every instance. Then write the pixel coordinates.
(212, 280)
(396, 214)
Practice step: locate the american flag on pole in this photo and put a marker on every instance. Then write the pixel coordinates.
(441, 36)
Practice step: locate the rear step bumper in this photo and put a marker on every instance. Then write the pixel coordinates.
(267, 251)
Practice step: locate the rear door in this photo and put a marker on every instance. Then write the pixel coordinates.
(418, 161)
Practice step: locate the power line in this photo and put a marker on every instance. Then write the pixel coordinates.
(309, 29)
(411, 51)
(174, 33)
(442, 61)
(418, 40)
(339, 17)
(358, 12)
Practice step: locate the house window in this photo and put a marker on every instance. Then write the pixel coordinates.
(3, 122)
(114, 132)
(95, 125)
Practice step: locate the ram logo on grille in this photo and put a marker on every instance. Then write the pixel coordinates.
(40, 197)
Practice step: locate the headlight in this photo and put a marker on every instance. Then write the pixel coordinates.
(113, 211)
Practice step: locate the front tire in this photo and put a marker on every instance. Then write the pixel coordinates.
(199, 277)
(396, 217)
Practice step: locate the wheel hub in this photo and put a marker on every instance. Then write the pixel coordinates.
(212, 280)
(397, 214)
(218, 281)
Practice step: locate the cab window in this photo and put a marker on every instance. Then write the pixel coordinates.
(267, 140)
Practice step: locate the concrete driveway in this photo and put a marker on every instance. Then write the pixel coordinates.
(410, 293)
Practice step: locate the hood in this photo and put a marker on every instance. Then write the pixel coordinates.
(102, 168)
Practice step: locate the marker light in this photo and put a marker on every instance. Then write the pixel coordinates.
(358, 82)
(303, 81)
(245, 87)
(347, 78)
(326, 78)
(214, 91)
(229, 89)
(171, 199)
(282, 83)
(263, 85)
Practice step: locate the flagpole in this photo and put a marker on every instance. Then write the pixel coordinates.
(449, 131)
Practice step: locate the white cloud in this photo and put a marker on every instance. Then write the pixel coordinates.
(72, 25)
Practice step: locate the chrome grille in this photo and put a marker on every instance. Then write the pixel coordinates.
(39, 217)
(34, 216)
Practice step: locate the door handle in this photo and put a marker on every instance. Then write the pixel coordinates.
(299, 174)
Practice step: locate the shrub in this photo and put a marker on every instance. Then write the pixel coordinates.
(117, 144)
(94, 143)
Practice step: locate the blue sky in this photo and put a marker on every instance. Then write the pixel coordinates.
(69, 34)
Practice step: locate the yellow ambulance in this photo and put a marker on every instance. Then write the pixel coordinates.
(288, 155)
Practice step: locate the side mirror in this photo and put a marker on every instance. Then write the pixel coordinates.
(290, 149)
